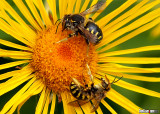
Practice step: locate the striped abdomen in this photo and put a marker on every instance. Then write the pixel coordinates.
(78, 92)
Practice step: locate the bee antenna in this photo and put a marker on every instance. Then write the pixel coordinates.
(57, 21)
(57, 27)
(116, 80)
(98, 78)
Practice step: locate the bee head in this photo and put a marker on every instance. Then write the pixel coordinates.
(66, 22)
(105, 84)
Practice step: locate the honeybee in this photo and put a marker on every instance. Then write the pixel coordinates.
(84, 94)
(85, 27)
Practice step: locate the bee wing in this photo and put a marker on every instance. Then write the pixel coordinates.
(87, 34)
(97, 7)
(95, 105)
(78, 103)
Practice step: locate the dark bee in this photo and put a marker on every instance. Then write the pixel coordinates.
(85, 27)
(84, 94)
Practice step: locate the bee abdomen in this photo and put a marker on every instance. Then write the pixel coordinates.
(95, 30)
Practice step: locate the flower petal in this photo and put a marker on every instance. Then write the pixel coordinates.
(77, 7)
(132, 34)
(53, 104)
(135, 77)
(103, 21)
(135, 88)
(27, 14)
(14, 45)
(12, 12)
(9, 104)
(66, 99)
(41, 102)
(35, 12)
(123, 101)
(45, 110)
(12, 64)
(25, 96)
(70, 8)
(43, 12)
(126, 14)
(6, 53)
(52, 5)
(108, 107)
(129, 51)
(131, 60)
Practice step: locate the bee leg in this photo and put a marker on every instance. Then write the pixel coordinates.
(69, 36)
(89, 73)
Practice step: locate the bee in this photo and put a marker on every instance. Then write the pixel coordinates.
(85, 27)
(84, 94)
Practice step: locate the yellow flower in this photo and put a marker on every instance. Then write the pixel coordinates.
(47, 67)
(156, 31)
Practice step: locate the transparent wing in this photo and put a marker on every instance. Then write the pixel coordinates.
(78, 103)
(97, 7)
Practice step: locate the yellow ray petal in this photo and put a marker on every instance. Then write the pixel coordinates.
(108, 107)
(17, 96)
(13, 73)
(27, 14)
(123, 101)
(6, 53)
(126, 14)
(45, 110)
(129, 70)
(99, 111)
(131, 60)
(98, 13)
(14, 82)
(122, 68)
(53, 104)
(134, 25)
(13, 13)
(12, 64)
(135, 77)
(25, 96)
(71, 4)
(129, 51)
(62, 7)
(37, 91)
(77, 8)
(87, 108)
(84, 6)
(14, 45)
(103, 21)
(66, 98)
(156, 31)
(52, 5)
(16, 27)
(135, 14)
(132, 34)
(9, 30)
(136, 88)
(34, 12)
(41, 102)
(8, 74)
(43, 12)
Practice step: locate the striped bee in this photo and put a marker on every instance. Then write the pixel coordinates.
(84, 94)
(85, 27)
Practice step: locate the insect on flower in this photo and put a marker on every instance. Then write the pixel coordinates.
(84, 94)
(85, 27)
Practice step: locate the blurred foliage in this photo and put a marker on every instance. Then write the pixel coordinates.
(144, 101)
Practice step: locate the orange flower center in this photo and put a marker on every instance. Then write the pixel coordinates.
(57, 63)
